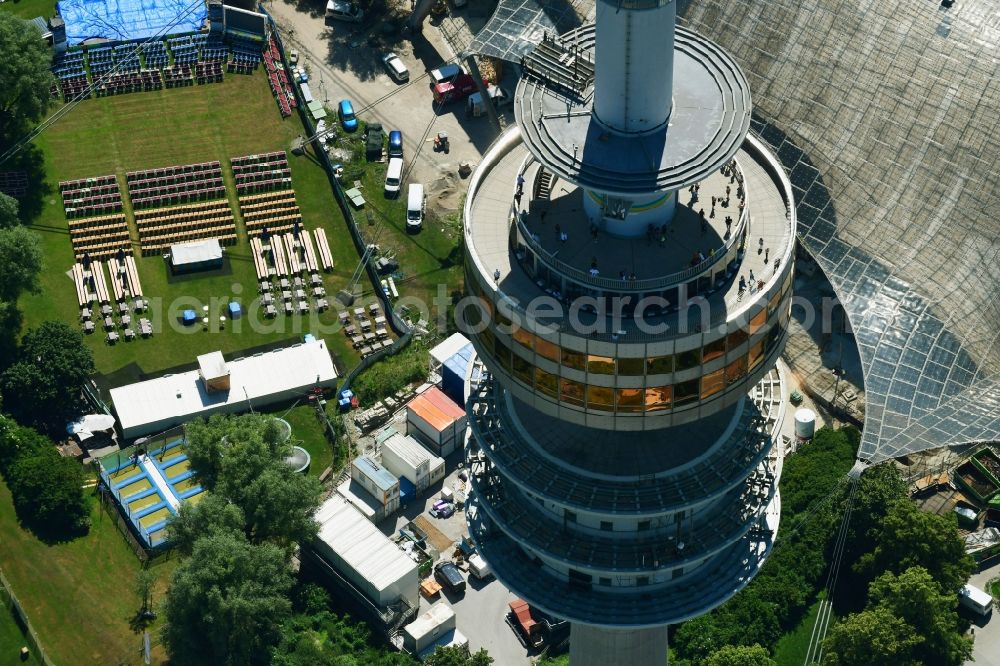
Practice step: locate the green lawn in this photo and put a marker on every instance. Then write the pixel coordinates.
(12, 640)
(792, 647)
(78, 595)
(427, 259)
(180, 126)
(29, 9)
(307, 432)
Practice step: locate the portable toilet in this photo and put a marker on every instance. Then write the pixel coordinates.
(235, 312)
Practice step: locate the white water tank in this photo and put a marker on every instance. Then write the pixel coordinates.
(805, 423)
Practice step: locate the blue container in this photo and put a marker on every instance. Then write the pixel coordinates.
(407, 491)
(453, 374)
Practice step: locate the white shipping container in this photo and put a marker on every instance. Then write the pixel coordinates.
(404, 456)
(363, 555)
(428, 627)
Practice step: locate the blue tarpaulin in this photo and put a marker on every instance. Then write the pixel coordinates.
(124, 20)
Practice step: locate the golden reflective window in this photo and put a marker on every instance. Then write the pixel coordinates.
(660, 365)
(712, 383)
(600, 397)
(758, 321)
(736, 370)
(659, 397)
(524, 338)
(775, 299)
(756, 354)
(714, 349)
(630, 400)
(547, 383)
(736, 338)
(600, 365)
(571, 392)
(575, 360)
(547, 349)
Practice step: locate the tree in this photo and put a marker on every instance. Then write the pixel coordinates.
(214, 514)
(43, 386)
(871, 638)
(21, 258)
(917, 598)
(909, 537)
(227, 602)
(144, 582)
(241, 459)
(25, 78)
(8, 212)
(207, 441)
(455, 656)
(48, 493)
(740, 655)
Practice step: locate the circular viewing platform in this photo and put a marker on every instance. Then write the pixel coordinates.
(709, 120)
(704, 237)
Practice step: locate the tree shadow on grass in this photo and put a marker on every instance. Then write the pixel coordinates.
(31, 161)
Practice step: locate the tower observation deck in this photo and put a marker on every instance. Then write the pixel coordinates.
(629, 265)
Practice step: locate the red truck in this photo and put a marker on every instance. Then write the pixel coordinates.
(452, 91)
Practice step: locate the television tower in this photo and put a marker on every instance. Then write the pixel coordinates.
(629, 261)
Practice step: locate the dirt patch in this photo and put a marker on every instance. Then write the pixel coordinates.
(436, 537)
(444, 195)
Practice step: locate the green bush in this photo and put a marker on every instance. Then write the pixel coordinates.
(391, 374)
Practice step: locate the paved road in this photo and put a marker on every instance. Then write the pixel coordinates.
(986, 651)
(342, 64)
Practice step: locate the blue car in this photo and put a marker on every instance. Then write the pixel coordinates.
(347, 118)
(395, 143)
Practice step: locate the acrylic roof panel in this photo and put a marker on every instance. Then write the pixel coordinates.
(437, 409)
(359, 543)
(451, 346)
(887, 117)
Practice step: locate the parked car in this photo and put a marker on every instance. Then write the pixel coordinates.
(397, 70)
(347, 118)
(445, 74)
(293, 56)
(458, 88)
(448, 575)
(338, 10)
(395, 143)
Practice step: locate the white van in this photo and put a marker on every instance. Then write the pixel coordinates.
(446, 74)
(394, 177)
(975, 600)
(415, 213)
(338, 10)
(478, 567)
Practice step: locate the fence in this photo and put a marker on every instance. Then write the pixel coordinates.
(400, 327)
(14, 606)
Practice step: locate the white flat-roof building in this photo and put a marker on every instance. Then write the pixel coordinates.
(365, 557)
(404, 456)
(259, 380)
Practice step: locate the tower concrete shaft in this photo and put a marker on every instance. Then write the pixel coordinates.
(634, 64)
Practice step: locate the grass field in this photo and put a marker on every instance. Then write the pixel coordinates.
(12, 640)
(78, 595)
(427, 259)
(792, 647)
(307, 432)
(29, 9)
(181, 126)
